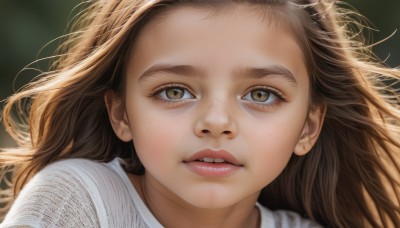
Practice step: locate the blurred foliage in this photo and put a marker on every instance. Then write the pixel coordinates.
(384, 17)
(26, 26)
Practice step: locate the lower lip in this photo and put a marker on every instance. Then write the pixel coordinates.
(212, 169)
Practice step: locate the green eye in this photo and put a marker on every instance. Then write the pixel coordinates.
(174, 93)
(264, 96)
(259, 95)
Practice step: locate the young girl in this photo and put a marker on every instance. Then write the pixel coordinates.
(196, 113)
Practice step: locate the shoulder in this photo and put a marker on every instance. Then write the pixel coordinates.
(284, 218)
(62, 193)
(75, 176)
(75, 166)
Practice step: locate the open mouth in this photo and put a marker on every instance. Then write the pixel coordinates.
(215, 165)
(212, 160)
(213, 157)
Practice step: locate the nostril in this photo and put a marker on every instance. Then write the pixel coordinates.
(205, 131)
(226, 132)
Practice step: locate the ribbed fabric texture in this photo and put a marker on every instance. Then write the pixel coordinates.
(84, 193)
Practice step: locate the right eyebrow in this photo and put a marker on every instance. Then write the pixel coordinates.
(181, 70)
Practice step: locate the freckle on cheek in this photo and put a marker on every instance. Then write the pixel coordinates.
(158, 141)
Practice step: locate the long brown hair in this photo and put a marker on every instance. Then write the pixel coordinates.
(349, 179)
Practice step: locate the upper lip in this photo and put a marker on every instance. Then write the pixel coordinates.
(216, 154)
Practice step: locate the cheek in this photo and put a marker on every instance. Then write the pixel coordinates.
(275, 144)
(272, 142)
(157, 137)
(279, 131)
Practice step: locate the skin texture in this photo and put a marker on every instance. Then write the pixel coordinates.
(233, 60)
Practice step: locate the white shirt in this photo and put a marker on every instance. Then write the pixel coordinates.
(85, 193)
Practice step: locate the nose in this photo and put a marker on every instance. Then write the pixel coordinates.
(216, 120)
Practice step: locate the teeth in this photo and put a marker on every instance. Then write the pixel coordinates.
(215, 160)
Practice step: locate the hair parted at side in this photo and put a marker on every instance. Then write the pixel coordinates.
(351, 178)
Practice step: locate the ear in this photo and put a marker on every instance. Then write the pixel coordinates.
(311, 130)
(117, 115)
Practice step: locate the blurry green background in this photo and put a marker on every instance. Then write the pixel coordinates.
(28, 25)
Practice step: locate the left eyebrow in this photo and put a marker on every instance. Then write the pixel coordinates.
(268, 71)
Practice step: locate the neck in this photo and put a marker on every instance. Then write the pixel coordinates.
(171, 211)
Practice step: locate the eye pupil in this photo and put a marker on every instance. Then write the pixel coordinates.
(260, 95)
(174, 93)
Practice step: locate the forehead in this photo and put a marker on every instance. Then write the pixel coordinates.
(237, 34)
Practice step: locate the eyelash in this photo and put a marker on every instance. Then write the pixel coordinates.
(157, 93)
(279, 97)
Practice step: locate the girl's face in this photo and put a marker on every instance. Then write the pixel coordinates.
(215, 104)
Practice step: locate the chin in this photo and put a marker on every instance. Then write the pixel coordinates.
(210, 199)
